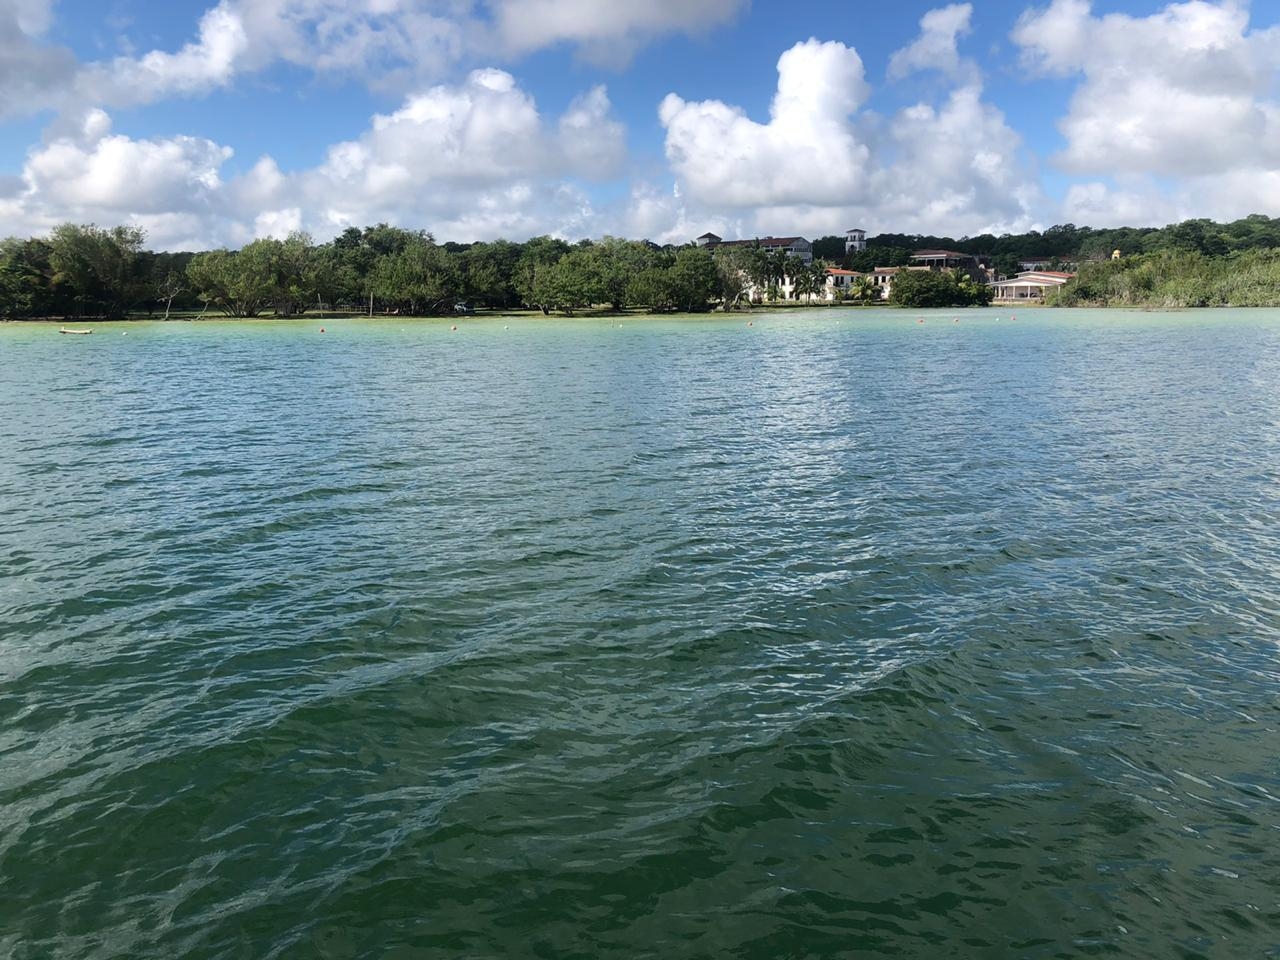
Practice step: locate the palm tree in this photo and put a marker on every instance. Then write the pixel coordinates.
(864, 289)
(810, 279)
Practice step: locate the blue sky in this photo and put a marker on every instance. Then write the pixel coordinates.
(210, 122)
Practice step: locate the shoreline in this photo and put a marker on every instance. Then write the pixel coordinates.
(640, 315)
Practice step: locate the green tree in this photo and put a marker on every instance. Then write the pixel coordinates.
(537, 256)
(864, 289)
(239, 286)
(830, 248)
(489, 270)
(100, 270)
(572, 283)
(26, 286)
(694, 279)
(421, 278)
(937, 288)
(617, 261)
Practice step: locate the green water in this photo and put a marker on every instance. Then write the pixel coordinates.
(836, 635)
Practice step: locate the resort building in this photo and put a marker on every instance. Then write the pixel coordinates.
(839, 282)
(1035, 263)
(882, 277)
(1029, 285)
(949, 260)
(797, 247)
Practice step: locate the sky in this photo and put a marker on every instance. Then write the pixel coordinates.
(210, 123)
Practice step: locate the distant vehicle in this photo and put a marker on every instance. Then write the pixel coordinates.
(463, 307)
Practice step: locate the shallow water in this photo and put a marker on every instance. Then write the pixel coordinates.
(836, 634)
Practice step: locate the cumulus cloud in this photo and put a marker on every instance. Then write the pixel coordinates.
(1181, 93)
(98, 175)
(956, 168)
(474, 160)
(808, 152)
(822, 163)
(454, 141)
(937, 47)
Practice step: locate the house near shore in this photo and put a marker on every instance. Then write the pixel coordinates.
(950, 260)
(1029, 285)
(797, 247)
(839, 283)
(882, 277)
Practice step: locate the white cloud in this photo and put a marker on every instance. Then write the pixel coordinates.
(32, 17)
(1143, 201)
(1181, 93)
(30, 69)
(937, 46)
(607, 33)
(471, 161)
(106, 177)
(209, 62)
(397, 44)
(955, 169)
(821, 164)
(1100, 205)
(454, 144)
(808, 152)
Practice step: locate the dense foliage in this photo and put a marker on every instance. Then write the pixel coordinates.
(942, 288)
(89, 271)
(1177, 278)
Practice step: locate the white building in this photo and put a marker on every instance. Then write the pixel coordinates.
(1030, 285)
(839, 282)
(855, 241)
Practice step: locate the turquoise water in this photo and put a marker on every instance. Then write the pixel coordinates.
(836, 635)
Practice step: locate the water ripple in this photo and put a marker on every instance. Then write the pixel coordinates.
(827, 636)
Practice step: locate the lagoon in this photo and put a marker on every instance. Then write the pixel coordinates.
(837, 633)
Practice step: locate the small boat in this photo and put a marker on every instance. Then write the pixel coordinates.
(80, 333)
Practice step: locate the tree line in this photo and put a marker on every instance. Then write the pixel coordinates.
(1066, 244)
(81, 271)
